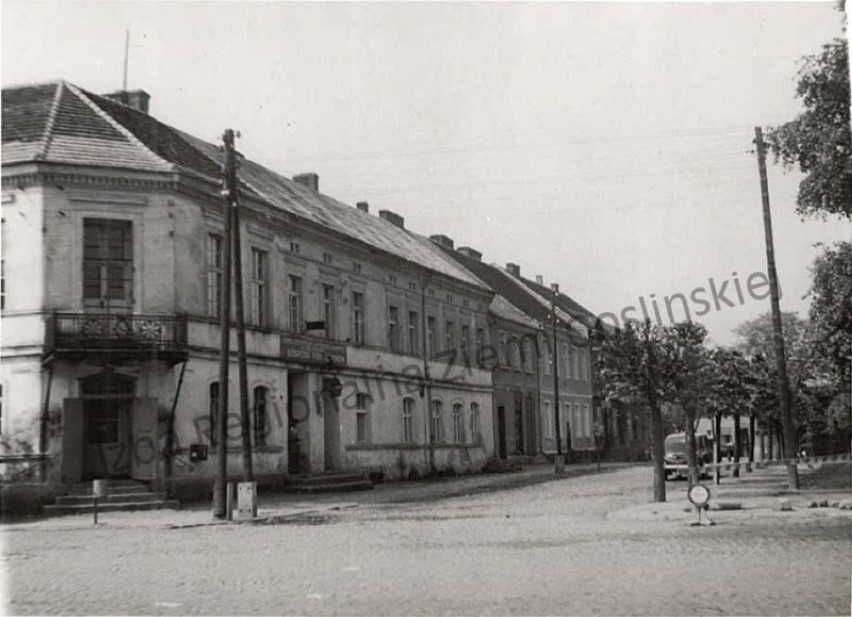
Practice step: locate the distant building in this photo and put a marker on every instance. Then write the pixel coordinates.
(112, 265)
(521, 328)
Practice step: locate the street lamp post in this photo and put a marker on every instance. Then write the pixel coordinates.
(560, 460)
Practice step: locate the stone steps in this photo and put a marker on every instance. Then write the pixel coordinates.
(328, 483)
(129, 506)
(123, 495)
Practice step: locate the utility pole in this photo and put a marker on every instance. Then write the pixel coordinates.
(560, 460)
(220, 488)
(239, 305)
(789, 428)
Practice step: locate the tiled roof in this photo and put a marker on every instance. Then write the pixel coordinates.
(566, 303)
(532, 299)
(61, 123)
(57, 123)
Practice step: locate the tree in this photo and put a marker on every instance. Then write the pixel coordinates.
(629, 365)
(684, 368)
(818, 140)
(831, 312)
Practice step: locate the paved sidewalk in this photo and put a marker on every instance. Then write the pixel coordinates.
(758, 493)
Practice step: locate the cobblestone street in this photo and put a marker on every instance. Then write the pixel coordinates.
(589, 544)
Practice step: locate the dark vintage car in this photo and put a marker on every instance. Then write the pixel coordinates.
(675, 455)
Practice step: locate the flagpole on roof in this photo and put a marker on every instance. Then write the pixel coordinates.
(126, 56)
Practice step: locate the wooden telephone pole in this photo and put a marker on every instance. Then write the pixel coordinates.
(560, 460)
(220, 487)
(790, 437)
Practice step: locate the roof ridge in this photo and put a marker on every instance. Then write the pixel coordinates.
(80, 93)
(51, 120)
(563, 315)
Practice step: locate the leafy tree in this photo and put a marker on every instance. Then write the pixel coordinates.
(831, 311)
(686, 378)
(819, 140)
(630, 366)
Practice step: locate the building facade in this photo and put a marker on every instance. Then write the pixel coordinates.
(112, 266)
(525, 415)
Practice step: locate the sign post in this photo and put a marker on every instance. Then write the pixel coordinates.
(699, 496)
(100, 488)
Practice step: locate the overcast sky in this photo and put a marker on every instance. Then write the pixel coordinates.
(603, 146)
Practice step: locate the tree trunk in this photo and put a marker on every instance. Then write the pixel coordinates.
(737, 452)
(769, 433)
(717, 447)
(658, 452)
(691, 463)
(750, 441)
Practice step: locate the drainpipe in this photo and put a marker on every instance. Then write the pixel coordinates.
(540, 431)
(424, 352)
(42, 428)
(170, 428)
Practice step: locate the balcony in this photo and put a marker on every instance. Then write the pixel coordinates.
(115, 337)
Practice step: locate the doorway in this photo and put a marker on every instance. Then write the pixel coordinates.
(107, 434)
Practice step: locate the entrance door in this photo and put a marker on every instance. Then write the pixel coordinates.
(501, 432)
(298, 414)
(106, 437)
(519, 426)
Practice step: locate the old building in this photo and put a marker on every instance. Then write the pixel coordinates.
(521, 327)
(112, 265)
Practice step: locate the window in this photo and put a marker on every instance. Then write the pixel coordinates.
(566, 362)
(430, 336)
(502, 350)
(294, 247)
(213, 401)
(214, 273)
(327, 258)
(587, 422)
(356, 266)
(393, 328)
(328, 310)
(480, 339)
(413, 333)
(362, 427)
(515, 352)
(528, 355)
(259, 287)
(458, 424)
(107, 262)
(412, 285)
(548, 421)
(261, 418)
(465, 340)
(450, 333)
(408, 420)
(435, 425)
(392, 279)
(295, 304)
(545, 359)
(358, 317)
(475, 437)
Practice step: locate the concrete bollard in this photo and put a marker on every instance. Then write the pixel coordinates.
(785, 505)
(246, 501)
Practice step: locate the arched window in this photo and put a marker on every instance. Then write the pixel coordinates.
(436, 432)
(408, 420)
(458, 424)
(261, 417)
(474, 423)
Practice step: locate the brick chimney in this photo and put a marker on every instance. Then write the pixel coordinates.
(393, 218)
(514, 269)
(135, 99)
(539, 279)
(442, 240)
(309, 180)
(363, 206)
(469, 252)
